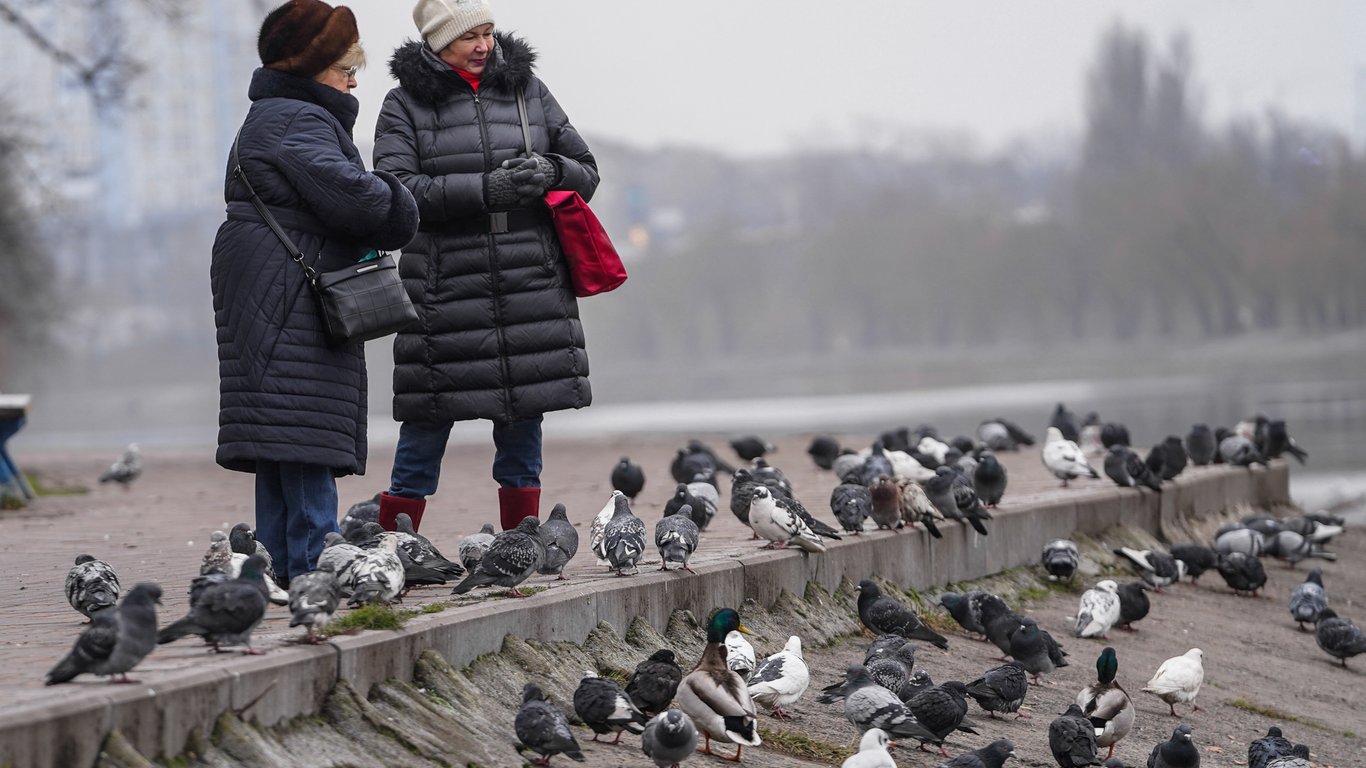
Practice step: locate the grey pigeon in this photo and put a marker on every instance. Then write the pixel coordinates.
(1176, 752)
(1239, 451)
(1338, 637)
(1243, 573)
(941, 710)
(381, 574)
(1262, 751)
(218, 555)
(226, 613)
(422, 551)
(964, 610)
(1035, 649)
(127, 469)
(628, 477)
(91, 585)
(885, 645)
(848, 463)
(541, 727)
(561, 540)
(1072, 739)
(340, 557)
(955, 500)
(313, 599)
(1001, 689)
(676, 536)
(1060, 559)
(653, 685)
(851, 503)
(823, 450)
(603, 706)
(1293, 547)
(116, 640)
(698, 509)
(473, 546)
(1200, 445)
(1113, 433)
(512, 557)
(993, 755)
(884, 498)
(895, 670)
(868, 705)
(1153, 566)
(669, 738)
(1197, 557)
(1133, 604)
(1298, 758)
(884, 615)
(624, 539)
(1309, 599)
(989, 480)
(1239, 538)
(876, 463)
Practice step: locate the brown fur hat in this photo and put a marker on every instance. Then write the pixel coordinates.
(305, 37)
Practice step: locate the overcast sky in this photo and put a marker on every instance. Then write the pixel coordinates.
(751, 76)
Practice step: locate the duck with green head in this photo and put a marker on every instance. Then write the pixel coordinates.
(1106, 703)
(716, 698)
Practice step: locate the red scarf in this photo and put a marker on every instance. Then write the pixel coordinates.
(470, 78)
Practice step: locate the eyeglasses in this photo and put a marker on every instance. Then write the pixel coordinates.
(348, 71)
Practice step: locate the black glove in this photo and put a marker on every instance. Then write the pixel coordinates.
(520, 182)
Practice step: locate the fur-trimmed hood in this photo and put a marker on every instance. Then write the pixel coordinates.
(430, 80)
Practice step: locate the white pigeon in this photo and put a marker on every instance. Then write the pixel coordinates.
(1179, 679)
(340, 557)
(905, 467)
(379, 575)
(780, 525)
(1063, 458)
(1099, 610)
(739, 654)
(126, 469)
(872, 751)
(277, 595)
(781, 679)
(935, 449)
(473, 546)
(597, 531)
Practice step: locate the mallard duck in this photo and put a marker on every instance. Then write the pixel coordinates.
(1107, 704)
(716, 698)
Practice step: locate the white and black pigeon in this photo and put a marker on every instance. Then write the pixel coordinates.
(1060, 559)
(872, 751)
(1309, 599)
(116, 640)
(379, 576)
(597, 530)
(473, 546)
(225, 614)
(422, 551)
(779, 524)
(676, 536)
(669, 738)
(91, 585)
(953, 495)
(1178, 680)
(781, 679)
(739, 654)
(512, 557)
(340, 557)
(603, 706)
(313, 600)
(1064, 459)
(624, 539)
(243, 542)
(1157, 568)
(1098, 610)
(541, 727)
(218, 556)
(561, 541)
(1338, 637)
(127, 469)
(628, 477)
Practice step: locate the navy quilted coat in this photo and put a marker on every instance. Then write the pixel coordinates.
(499, 336)
(285, 394)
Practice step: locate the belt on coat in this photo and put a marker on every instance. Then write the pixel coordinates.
(494, 223)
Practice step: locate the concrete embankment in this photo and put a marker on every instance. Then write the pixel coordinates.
(366, 678)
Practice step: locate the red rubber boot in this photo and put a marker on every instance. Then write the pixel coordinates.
(391, 506)
(514, 504)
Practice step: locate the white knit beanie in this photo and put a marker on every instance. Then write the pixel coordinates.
(441, 21)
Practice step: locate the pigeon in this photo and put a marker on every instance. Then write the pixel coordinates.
(653, 685)
(1239, 539)
(1065, 422)
(274, 593)
(1124, 467)
(993, 755)
(886, 646)
(885, 503)
(624, 539)
(1262, 751)
(669, 738)
(313, 599)
(739, 654)
(707, 494)
(741, 494)
(1060, 559)
(628, 477)
(1178, 680)
(414, 574)
(473, 547)
(1098, 611)
(1106, 704)
(872, 751)
(1197, 557)
(1309, 599)
(676, 536)
(876, 463)
(597, 531)
(422, 551)
(698, 510)
(361, 512)
(852, 503)
(849, 461)
(823, 450)
(1036, 649)
(127, 469)
(243, 541)
(512, 557)
(1317, 528)
(1072, 740)
(380, 575)
(340, 557)
(1239, 451)
(884, 615)
(542, 728)
(751, 447)
(226, 613)
(1167, 459)
(1001, 434)
(780, 679)
(1200, 445)
(603, 706)
(1089, 437)
(998, 620)
(989, 480)
(1176, 752)
(1293, 547)
(116, 640)
(714, 696)
(916, 507)
(779, 523)
(954, 497)
(941, 710)
(894, 669)
(1243, 573)
(964, 610)
(1278, 442)
(1063, 458)
(1338, 637)
(217, 556)
(1001, 689)
(1133, 604)
(868, 705)
(1157, 568)
(561, 540)
(91, 585)
(696, 459)
(1298, 758)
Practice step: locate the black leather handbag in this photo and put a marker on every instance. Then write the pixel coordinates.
(363, 301)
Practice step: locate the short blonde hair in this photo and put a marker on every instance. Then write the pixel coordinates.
(354, 57)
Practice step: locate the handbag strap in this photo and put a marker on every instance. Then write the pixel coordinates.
(294, 252)
(521, 113)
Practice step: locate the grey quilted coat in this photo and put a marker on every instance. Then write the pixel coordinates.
(499, 336)
(285, 394)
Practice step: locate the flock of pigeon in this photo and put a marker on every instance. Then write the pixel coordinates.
(903, 478)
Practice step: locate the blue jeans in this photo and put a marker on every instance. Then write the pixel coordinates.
(296, 506)
(421, 445)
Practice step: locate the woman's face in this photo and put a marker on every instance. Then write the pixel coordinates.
(341, 78)
(471, 50)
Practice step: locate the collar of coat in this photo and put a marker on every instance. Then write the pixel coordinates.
(270, 83)
(431, 81)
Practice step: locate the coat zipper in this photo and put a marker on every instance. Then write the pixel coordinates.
(493, 269)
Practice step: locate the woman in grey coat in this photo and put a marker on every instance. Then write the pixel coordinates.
(292, 407)
(499, 336)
